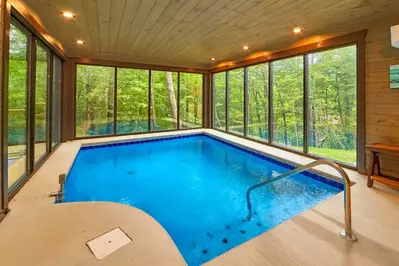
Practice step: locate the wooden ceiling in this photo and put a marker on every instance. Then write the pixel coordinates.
(189, 32)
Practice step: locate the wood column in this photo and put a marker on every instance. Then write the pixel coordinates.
(68, 100)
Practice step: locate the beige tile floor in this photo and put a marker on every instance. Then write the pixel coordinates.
(37, 232)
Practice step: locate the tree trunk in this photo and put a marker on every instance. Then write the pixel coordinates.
(255, 94)
(296, 126)
(172, 98)
(314, 139)
(285, 130)
(285, 134)
(89, 112)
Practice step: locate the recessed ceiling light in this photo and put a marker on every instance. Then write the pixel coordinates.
(80, 42)
(245, 47)
(297, 30)
(213, 58)
(68, 14)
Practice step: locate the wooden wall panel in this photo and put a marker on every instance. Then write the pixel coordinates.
(188, 33)
(68, 100)
(382, 103)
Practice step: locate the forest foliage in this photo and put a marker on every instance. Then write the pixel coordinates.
(96, 92)
(331, 110)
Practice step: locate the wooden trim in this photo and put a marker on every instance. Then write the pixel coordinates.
(50, 88)
(4, 100)
(100, 62)
(149, 101)
(178, 102)
(335, 42)
(210, 90)
(305, 103)
(29, 22)
(31, 103)
(245, 101)
(270, 106)
(227, 90)
(205, 101)
(361, 105)
(115, 100)
(72, 127)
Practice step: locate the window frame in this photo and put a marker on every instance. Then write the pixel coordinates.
(356, 39)
(117, 65)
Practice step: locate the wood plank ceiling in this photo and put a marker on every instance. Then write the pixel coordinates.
(189, 32)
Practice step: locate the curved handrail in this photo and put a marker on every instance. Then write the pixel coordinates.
(347, 232)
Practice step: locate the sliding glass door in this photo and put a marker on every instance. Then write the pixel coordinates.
(33, 97)
(18, 105)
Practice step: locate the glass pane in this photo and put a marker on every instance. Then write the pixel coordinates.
(56, 109)
(332, 99)
(258, 100)
(236, 101)
(94, 100)
(132, 101)
(17, 105)
(288, 102)
(163, 100)
(41, 102)
(190, 100)
(219, 100)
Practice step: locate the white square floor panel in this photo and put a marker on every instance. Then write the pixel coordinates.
(107, 243)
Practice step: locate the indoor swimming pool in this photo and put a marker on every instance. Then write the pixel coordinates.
(195, 187)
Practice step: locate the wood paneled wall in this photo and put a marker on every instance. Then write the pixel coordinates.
(382, 103)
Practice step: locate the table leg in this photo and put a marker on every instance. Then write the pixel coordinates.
(372, 162)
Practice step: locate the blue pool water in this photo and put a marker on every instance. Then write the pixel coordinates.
(195, 188)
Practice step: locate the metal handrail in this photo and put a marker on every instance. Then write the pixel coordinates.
(345, 233)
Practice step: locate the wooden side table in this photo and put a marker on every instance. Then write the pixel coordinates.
(376, 149)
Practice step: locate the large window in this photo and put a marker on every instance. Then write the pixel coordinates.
(236, 101)
(332, 104)
(132, 101)
(163, 100)
(258, 101)
(288, 102)
(219, 100)
(190, 100)
(330, 94)
(142, 100)
(42, 67)
(17, 105)
(95, 100)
